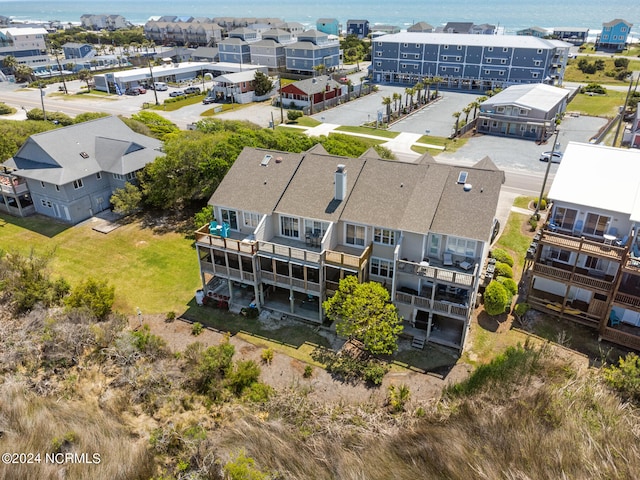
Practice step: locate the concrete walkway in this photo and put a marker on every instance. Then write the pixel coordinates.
(399, 145)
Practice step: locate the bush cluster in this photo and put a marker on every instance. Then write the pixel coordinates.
(502, 256)
(503, 270)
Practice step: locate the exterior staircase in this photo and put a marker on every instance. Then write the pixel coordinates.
(418, 343)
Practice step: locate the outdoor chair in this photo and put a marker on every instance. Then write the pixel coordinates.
(623, 242)
(447, 260)
(613, 319)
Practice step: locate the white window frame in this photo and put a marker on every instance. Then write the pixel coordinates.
(463, 247)
(384, 236)
(98, 175)
(231, 220)
(503, 61)
(378, 64)
(459, 47)
(358, 236)
(488, 60)
(381, 267)
(535, 75)
(117, 176)
(489, 49)
(46, 203)
(289, 226)
(78, 184)
(42, 184)
(251, 219)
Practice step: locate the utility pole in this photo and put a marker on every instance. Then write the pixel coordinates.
(155, 93)
(624, 109)
(44, 113)
(546, 174)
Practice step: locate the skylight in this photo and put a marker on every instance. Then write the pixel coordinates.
(462, 177)
(265, 160)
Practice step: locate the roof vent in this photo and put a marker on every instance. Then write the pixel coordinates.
(278, 159)
(84, 154)
(265, 161)
(467, 187)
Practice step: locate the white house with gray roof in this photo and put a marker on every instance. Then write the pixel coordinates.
(289, 226)
(71, 173)
(523, 111)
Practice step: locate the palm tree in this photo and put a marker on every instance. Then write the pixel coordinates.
(456, 115)
(10, 62)
(427, 89)
(386, 101)
(410, 92)
(85, 75)
(418, 88)
(23, 73)
(362, 79)
(437, 81)
(476, 104)
(396, 97)
(467, 111)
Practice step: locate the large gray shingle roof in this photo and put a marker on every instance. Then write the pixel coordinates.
(74, 152)
(414, 197)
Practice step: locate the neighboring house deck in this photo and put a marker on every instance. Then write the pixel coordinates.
(585, 262)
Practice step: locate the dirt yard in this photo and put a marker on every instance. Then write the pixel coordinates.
(286, 372)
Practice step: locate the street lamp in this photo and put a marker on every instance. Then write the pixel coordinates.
(546, 173)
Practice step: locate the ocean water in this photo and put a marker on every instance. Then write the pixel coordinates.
(511, 15)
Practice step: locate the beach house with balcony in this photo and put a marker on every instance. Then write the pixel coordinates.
(71, 173)
(585, 262)
(289, 226)
(614, 35)
(312, 49)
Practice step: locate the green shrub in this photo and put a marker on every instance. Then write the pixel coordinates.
(267, 355)
(543, 204)
(196, 329)
(171, 316)
(244, 374)
(374, 373)
(6, 109)
(502, 256)
(293, 115)
(258, 392)
(509, 284)
(308, 371)
(496, 298)
(533, 223)
(398, 397)
(503, 270)
(625, 377)
(92, 294)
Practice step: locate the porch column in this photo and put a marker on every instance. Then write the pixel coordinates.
(292, 300)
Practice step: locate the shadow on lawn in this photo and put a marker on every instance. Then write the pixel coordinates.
(37, 223)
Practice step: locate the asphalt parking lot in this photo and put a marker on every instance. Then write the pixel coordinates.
(437, 119)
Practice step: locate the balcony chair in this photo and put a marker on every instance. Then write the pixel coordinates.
(623, 242)
(613, 319)
(577, 228)
(635, 251)
(613, 231)
(447, 260)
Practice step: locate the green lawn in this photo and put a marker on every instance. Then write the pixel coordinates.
(156, 272)
(368, 131)
(573, 74)
(305, 122)
(370, 142)
(450, 145)
(598, 105)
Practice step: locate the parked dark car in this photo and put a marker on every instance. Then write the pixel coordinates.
(189, 90)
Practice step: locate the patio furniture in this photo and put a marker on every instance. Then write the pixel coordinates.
(613, 319)
(623, 242)
(466, 265)
(447, 260)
